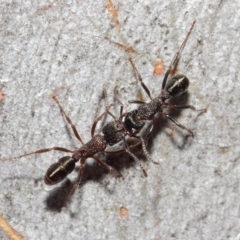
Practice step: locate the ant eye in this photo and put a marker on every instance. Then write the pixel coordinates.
(177, 85)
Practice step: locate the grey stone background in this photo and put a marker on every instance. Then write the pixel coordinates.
(50, 47)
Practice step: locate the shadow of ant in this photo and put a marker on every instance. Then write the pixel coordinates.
(94, 172)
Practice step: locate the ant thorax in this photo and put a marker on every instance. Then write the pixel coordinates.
(147, 110)
(95, 145)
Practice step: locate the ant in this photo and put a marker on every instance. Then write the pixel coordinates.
(113, 132)
(128, 124)
(175, 86)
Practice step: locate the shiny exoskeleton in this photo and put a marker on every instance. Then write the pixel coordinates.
(112, 133)
(128, 124)
(173, 87)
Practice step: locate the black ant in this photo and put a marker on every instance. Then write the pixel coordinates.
(128, 124)
(177, 85)
(113, 132)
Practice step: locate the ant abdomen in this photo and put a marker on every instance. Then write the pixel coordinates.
(177, 85)
(59, 170)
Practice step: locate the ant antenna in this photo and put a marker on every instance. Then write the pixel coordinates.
(176, 56)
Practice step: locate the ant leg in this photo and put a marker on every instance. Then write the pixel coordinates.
(76, 184)
(176, 56)
(121, 104)
(135, 158)
(41, 151)
(109, 168)
(145, 149)
(136, 101)
(138, 161)
(99, 118)
(68, 119)
(113, 115)
(121, 108)
(139, 78)
(178, 124)
(203, 110)
(127, 48)
(146, 152)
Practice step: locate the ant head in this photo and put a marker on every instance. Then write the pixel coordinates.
(59, 170)
(131, 122)
(113, 132)
(176, 86)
